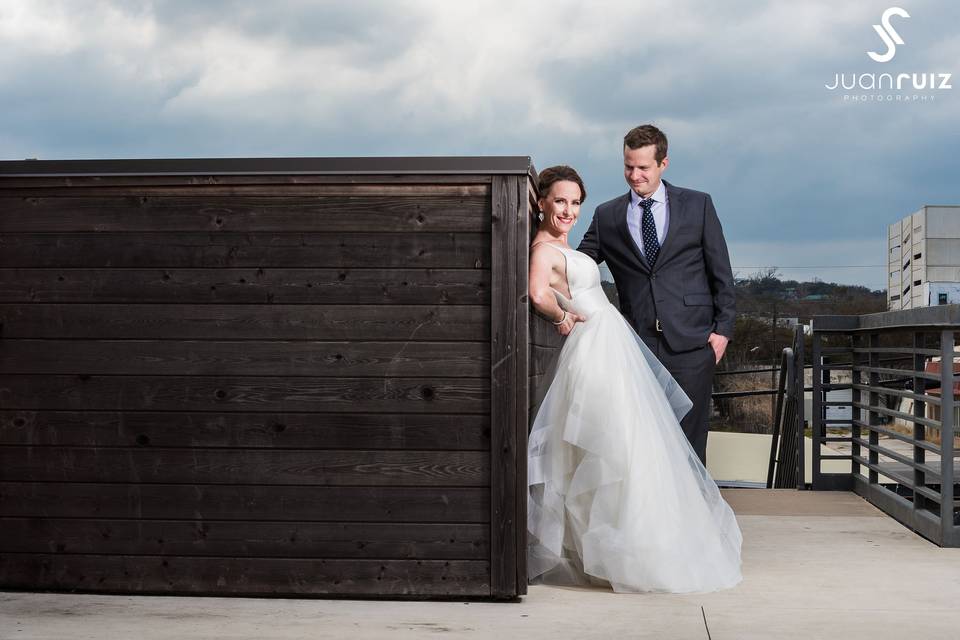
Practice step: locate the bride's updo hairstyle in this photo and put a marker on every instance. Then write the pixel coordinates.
(550, 175)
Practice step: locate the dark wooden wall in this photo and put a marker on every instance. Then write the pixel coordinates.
(263, 384)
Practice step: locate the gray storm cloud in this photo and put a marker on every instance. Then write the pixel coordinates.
(799, 175)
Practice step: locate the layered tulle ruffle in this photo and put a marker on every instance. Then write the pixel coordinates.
(616, 493)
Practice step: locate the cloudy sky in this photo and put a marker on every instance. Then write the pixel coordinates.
(804, 178)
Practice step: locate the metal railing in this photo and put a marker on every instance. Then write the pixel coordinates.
(897, 446)
(785, 468)
(786, 464)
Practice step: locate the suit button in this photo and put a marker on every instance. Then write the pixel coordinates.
(653, 277)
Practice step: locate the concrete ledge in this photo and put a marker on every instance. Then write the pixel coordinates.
(789, 502)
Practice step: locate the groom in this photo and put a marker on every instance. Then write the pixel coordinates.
(665, 248)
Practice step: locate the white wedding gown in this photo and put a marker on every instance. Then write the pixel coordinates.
(616, 493)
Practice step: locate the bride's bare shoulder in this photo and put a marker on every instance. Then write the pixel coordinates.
(545, 257)
(544, 253)
(545, 246)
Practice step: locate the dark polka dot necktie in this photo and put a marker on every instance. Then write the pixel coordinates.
(651, 246)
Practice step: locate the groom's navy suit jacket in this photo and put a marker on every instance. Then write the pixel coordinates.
(690, 287)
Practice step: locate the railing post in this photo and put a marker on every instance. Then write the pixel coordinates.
(779, 414)
(873, 416)
(946, 436)
(856, 413)
(919, 388)
(816, 421)
(801, 391)
(789, 414)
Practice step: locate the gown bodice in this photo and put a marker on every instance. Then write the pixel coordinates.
(583, 278)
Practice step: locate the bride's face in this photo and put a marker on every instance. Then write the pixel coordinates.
(561, 206)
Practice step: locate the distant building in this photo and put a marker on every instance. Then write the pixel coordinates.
(923, 257)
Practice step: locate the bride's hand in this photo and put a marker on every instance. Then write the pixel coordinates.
(569, 322)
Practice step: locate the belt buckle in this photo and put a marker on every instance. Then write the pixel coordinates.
(659, 326)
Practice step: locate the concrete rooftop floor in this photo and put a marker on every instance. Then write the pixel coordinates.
(816, 565)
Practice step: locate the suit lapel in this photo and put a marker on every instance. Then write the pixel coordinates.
(675, 205)
(624, 229)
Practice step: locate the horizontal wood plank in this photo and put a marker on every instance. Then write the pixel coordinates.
(244, 576)
(232, 322)
(207, 502)
(329, 213)
(253, 393)
(248, 286)
(249, 358)
(250, 430)
(252, 466)
(234, 249)
(245, 539)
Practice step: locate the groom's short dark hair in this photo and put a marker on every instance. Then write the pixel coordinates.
(644, 135)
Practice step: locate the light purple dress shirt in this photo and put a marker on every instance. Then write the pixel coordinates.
(661, 215)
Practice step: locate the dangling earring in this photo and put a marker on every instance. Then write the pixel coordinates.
(540, 216)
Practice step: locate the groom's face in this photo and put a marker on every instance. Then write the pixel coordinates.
(640, 169)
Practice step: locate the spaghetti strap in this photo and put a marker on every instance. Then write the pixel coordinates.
(549, 244)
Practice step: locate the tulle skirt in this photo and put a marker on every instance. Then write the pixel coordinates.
(616, 493)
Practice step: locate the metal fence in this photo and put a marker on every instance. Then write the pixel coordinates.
(785, 468)
(786, 464)
(897, 446)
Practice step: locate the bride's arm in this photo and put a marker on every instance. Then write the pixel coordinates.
(544, 264)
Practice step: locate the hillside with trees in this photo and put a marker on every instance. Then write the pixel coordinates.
(764, 301)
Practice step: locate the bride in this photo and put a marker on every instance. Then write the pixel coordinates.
(616, 493)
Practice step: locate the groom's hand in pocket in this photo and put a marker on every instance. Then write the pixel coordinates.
(719, 344)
